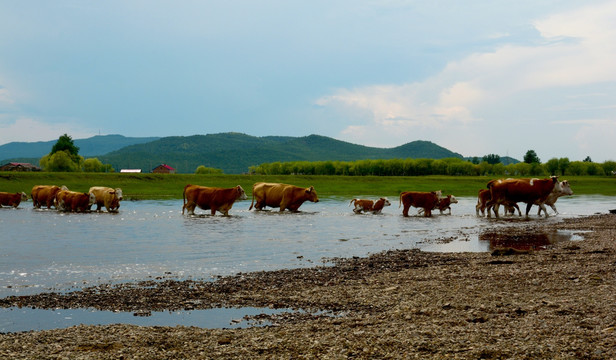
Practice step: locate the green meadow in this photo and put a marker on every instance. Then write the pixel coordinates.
(170, 186)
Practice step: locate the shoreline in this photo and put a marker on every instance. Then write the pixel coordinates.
(554, 303)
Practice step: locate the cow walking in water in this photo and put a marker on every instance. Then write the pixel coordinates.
(529, 191)
(283, 196)
(8, 199)
(374, 207)
(424, 200)
(211, 198)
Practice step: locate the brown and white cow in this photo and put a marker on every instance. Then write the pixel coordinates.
(211, 198)
(108, 197)
(374, 207)
(9, 199)
(444, 203)
(74, 201)
(283, 196)
(425, 200)
(565, 189)
(45, 195)
(529, 191)
(482, 200)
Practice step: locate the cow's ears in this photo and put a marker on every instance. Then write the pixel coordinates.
(310, 189)
(554, 178)
(239, 188)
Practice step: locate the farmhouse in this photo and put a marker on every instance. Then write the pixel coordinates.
(16, 166)
(163, 169)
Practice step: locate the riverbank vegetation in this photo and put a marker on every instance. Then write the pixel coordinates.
(422, 167)
(170, 186)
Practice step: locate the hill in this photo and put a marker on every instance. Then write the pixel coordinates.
(96, 145)
(235, 152)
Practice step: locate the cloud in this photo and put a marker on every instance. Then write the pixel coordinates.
(573, 56)
(39, 131)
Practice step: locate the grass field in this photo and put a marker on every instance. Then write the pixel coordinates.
(162, 186)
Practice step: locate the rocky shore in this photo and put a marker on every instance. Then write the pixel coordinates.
(558, 303)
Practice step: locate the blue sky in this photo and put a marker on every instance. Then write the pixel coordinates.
(477, 77)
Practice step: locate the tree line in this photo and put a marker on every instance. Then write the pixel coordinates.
(64, 156)
(418, 167)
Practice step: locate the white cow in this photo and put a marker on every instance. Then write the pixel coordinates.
(565, 189)
(108, 197)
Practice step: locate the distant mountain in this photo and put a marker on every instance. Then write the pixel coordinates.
(96, 145)
(234, 153)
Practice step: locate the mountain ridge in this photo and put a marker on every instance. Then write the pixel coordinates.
(232, 152)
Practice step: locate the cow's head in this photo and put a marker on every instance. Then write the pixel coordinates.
(91, 198)
(557, 187)
(241, 194)
(452, 199)
(24, 197)
(385, 201)
(118, 193)
(565, 188)
(311, 195)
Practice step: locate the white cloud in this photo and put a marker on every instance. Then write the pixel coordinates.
(577, 53)
(27, 130)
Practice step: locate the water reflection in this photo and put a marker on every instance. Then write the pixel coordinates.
(525, 239)
(26, 319)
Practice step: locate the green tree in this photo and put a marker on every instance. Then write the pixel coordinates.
(491, 159)
(93, 165)
(531, 157)
(64, 156)
(65, 143)
(552, 166)
(563, 165)
(61, 161)
(203, 170)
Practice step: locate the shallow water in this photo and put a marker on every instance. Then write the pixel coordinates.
(44, 250)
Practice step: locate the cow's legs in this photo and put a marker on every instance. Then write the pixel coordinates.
(528, 206)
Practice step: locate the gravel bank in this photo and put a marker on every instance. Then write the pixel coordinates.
(558, 303)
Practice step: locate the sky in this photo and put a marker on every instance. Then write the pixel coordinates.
(476, 77)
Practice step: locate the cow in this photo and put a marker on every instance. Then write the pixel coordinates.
(555, 194)
(74, 201)
(374, 207)
(482, 200)
(8, 199)
(211, 198)
(45, 195)
(425, 200)
(529, 191)
(283, 196)
(108, 197)
(444, 203)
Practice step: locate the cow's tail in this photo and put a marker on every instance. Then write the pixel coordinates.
(253, 199)
(400, 201)
(184, 199)
(352, 202)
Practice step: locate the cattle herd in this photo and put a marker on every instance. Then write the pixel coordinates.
(506, 192)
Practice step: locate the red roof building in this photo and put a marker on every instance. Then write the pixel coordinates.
(163, 169)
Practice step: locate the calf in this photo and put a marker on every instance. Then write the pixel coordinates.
(482, 199)
(369, 206)
(8, 199)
